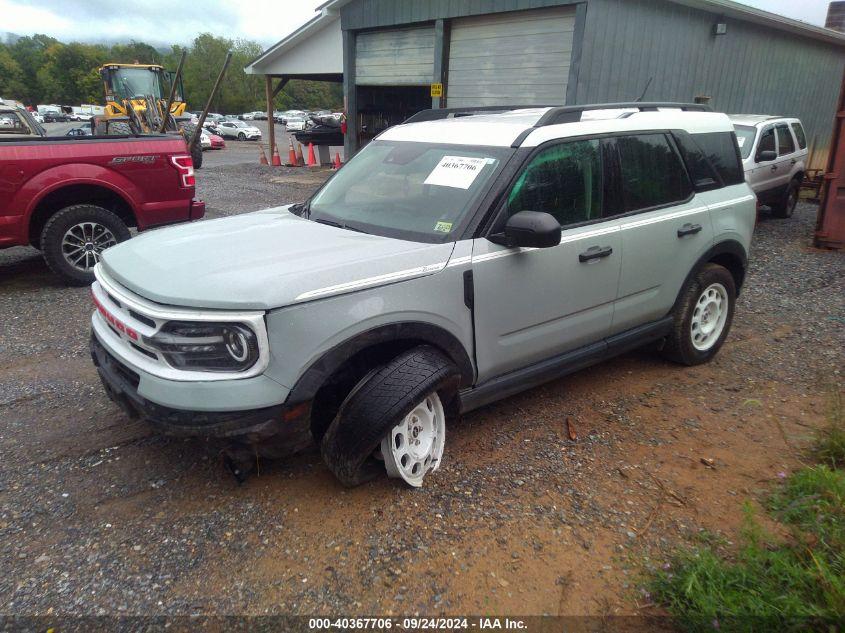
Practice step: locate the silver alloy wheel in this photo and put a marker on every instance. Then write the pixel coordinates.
(709, 317)
(82, 244)
(415, 445)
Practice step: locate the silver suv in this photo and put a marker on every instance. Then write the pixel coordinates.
(774, 153)
(458, 259)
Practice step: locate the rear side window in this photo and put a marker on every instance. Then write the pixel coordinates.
(701, 171)
(785, 143)
(564, 180)
(799, 134)
(722, 152)
(651, 171)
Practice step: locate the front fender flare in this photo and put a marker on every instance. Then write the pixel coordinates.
(315, 376)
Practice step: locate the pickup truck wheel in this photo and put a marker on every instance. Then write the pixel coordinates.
(74, 238)
(786, 207)
(703, 316)
(395, 414)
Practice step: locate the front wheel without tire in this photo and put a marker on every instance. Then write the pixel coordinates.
(74, 239)
(703, 316)
(400, 409)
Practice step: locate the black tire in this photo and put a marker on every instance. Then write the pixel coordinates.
(59, 224)
(377, 404)
(679, 344)
(241, 136)
(118, 128)
(786, 206)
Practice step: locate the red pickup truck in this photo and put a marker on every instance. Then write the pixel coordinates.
(73, 197)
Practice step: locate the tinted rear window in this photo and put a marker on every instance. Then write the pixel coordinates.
(799, 134)
(652, 172)
(702, 173)
(722, 151)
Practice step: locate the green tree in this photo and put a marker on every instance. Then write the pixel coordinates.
(28, 52)
(11, 76)
(133, 52)
(69, 73)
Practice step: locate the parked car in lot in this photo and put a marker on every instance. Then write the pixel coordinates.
(73, 197)
(217, 142)
(55, 117)
(450, 263)
(78, 131)
(294, 124)
(774, 155)
(239, 130)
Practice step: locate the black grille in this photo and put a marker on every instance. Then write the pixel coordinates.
(140, 317)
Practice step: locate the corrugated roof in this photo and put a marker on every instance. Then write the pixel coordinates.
(728, 8)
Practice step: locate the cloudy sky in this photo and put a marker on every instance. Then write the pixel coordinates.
(172, 21)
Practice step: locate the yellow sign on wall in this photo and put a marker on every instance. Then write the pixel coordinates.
(436, 90)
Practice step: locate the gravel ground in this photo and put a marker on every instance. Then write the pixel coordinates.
(528, 515)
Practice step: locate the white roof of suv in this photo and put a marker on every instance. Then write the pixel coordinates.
(757, 119)
(503, 129)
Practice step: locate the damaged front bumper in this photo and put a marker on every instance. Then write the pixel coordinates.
(284, 423)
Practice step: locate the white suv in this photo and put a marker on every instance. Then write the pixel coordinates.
(774, 155)
(457, 259)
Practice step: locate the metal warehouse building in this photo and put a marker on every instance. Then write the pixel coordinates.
(392, 54)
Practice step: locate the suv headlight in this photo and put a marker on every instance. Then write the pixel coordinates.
(206, 346)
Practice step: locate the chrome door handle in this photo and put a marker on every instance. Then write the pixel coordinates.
(793, 161)
(774, 167)
(689, 229)
(594, 252)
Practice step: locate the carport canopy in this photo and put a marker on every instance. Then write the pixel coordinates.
(314, 51)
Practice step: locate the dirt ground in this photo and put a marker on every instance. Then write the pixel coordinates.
(528, 515)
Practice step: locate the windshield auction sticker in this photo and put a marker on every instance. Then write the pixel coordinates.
(456, 171)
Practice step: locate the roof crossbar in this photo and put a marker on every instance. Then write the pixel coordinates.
(556, 114)
(435, 114)
(572, 114)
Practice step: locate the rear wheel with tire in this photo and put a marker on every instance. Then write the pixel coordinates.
(394, 419)
(703, 316)
(786, 206)
(74, 238)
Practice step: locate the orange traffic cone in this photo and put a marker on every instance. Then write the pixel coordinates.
(277, 160)
(336, 160)
(300, 161)
(291, 154)
(263, 160)
(312, 160)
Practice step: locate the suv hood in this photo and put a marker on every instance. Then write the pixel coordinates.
(263, 260)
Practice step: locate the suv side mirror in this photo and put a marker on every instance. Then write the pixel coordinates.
(766, 155)
(530, 229)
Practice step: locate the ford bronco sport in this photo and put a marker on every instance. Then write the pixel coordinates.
(459, 258)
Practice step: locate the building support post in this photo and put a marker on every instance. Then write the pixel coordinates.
(271, 124)
(350, 95)
(442, 37)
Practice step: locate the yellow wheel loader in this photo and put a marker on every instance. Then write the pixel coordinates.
(137, 103)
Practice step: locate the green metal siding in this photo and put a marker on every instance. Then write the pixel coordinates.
(751, 69)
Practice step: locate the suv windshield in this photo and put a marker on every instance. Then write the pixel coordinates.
(745, 139)
(414, 191)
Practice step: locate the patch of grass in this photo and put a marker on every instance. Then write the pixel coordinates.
(797, 583)
(830, 439)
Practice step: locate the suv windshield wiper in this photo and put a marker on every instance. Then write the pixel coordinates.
(339, 225)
